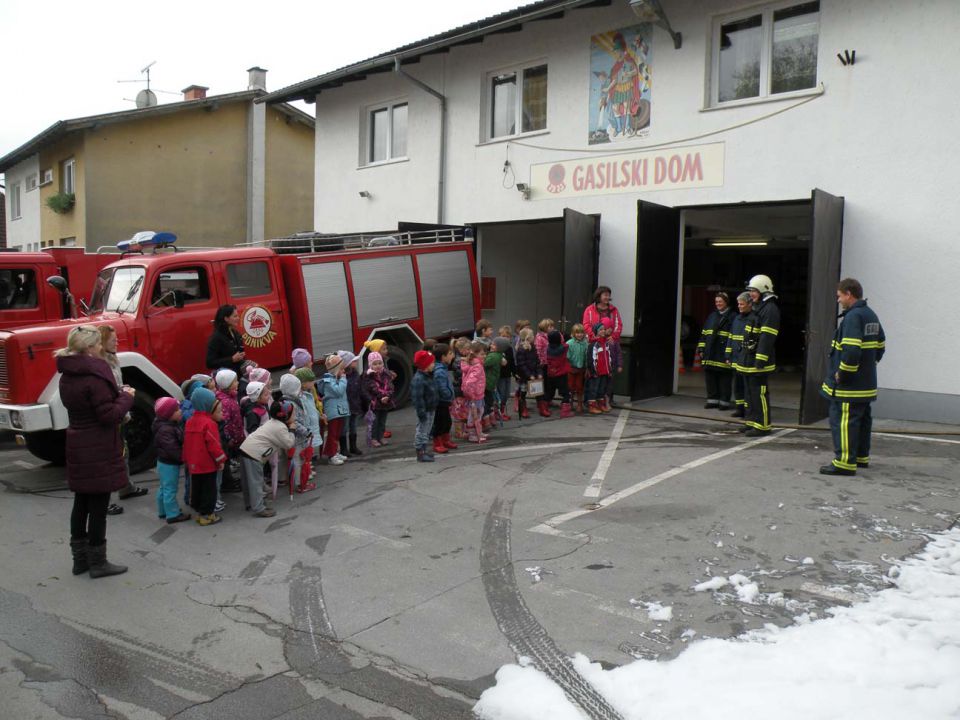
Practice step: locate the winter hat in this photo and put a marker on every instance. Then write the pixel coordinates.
(258, 374)
(198, 378)
(375, 345)
(254, 389)
(347, 357)
(597, 327)
(225, 378)
(165, 407)
(290, 385)
(555, 348)
(501, 344)
(202, 399)
(423, 359)
(301, 358)
(607, 323)
(332, 362)
(304, 375)
(281, 409)
(374, 357)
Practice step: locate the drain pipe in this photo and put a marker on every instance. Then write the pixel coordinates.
(443, 132)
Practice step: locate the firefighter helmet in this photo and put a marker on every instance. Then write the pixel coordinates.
(761, 283)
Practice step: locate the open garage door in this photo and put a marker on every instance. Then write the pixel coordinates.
(654, 356)
(579, 266)
(825, 246)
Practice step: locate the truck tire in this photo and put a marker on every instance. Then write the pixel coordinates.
(138, 433)
(48, 445)
(399, 362)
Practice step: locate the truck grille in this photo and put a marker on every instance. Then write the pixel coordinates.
(4, 375)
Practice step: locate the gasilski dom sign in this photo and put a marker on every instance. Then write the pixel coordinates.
(667, 169)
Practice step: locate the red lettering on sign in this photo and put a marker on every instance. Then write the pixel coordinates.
(578, 178)
(692, 168)
(659, 170)
(588, 182)
(675, 169)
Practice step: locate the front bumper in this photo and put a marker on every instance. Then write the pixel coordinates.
(26, 418)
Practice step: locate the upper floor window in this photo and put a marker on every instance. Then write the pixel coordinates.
(387, 133)
(517, 101)
(15, 201)
(67, 179)
(767, 51)
(31, 182)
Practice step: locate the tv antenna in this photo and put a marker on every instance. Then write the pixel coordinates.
(146, 97)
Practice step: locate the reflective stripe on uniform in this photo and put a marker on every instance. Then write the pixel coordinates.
(772, 331)
(848, 368)
(837, 392)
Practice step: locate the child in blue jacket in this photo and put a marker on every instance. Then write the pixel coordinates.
(336, 406)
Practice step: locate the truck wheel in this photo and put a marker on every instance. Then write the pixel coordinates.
(138, 433)
(48, 445)
(399, 362)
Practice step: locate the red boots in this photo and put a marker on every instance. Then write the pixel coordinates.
(438, 447)
(544, 407)
(448, 443)
(566, 410)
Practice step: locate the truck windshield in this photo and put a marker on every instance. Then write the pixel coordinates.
(117, 289)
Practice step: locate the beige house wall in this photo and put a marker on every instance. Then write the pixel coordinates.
(184, 173)
(55, 227)
(289, 175)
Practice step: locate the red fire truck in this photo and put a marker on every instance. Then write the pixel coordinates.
(315, 291)
(26, 296)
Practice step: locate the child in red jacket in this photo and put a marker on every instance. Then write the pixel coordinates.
(203, 454)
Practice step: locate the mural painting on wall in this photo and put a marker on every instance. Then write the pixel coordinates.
(620, 84)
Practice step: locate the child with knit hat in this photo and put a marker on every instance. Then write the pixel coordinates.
(380, 346)
(356, 400)
(333, 388)
(557, 369)
(311, 411)
(301, 359)
(577, 357)
(598, 368)
(274, 437)
(423, 393)
(231, 429)
(378, 390)
(203, 454)
(473, 384)
(291, 390)
(168, 440)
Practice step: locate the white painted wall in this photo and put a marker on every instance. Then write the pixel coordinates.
(25, 232)
(881, 135)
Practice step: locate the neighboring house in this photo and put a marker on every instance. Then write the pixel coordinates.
(3, 219)
(693, 158)
(215, 170)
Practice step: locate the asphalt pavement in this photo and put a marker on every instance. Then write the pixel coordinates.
(397, 589)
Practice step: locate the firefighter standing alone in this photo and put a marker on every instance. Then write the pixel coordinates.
(851, 382)
(759, 354)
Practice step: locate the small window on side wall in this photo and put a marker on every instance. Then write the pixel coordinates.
(249, 279)
(765, 52)
(387, 133)
(67, 179)
(517, 101)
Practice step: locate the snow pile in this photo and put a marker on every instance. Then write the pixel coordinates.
(655, 611)
(894, 656)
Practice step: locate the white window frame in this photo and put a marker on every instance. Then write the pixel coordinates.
(47, 177)
(31, 182)
(366, 150)
(15, 202)
(766, 12)
(68, 177)
(486, 133)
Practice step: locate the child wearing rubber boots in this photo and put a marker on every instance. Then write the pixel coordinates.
(423, 393)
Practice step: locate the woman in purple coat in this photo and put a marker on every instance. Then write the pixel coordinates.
(95, 464)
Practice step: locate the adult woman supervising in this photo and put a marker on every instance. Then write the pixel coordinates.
(600, 308)
(225, 346)
(95, 464)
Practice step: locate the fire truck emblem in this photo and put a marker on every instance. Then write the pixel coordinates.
(257, 321)
(557, 175)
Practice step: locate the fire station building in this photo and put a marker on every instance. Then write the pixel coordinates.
(668, 149)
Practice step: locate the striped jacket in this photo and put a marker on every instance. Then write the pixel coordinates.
(713, 339)
(857, 347)
(734, 349)
(760, 338)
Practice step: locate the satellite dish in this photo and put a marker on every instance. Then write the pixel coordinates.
(146, 98)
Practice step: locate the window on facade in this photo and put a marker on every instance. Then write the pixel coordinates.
(18, 289)
(191, 282)
(518, 101)
(31, 182)
(249, 279)
(766, 52)
(15, 201)
(67, 180)
(387, 133)
(68, 242)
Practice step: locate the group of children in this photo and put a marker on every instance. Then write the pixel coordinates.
(228, 421)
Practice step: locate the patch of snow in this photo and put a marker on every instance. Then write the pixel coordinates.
(807, 561)
(712, 584)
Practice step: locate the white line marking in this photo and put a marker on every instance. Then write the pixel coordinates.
(918, 437)
(596, 482)
(643, 485)
(367, 535)
(26, 465)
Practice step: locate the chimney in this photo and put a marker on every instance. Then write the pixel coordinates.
(194, 92)
(257, 78)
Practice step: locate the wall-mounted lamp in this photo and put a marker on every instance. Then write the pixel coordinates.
(524, 190)
(365, 194)
(651, 11)
(744, 241)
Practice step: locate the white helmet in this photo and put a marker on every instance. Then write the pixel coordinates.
(761, 283)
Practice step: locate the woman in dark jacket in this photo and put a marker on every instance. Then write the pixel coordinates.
(225, 346)
(95, 463)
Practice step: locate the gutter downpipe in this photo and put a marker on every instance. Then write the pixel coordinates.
(443, 132)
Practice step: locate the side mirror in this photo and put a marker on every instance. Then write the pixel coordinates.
(58, 283)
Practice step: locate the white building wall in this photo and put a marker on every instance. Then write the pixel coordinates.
(24, 233)
(881, 135)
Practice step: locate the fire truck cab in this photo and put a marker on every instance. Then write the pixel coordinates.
(324, 293)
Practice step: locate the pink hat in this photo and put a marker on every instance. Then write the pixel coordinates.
(373, 357)
(165, 407)
(607, 323)
(301, 357)
(258, 374)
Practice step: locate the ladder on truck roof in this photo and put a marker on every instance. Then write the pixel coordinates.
(316, 242)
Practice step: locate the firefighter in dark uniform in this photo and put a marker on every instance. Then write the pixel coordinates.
(734, 351)
(712, 348)
(851, 382)
(759, 354)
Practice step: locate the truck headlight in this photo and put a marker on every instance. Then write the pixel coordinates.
(16, 420)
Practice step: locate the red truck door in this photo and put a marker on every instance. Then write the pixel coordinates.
(255, 287)
(25, 297)
(178, 336)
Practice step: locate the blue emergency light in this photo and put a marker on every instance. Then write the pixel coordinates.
(146, 239)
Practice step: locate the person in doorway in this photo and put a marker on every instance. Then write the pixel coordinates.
(851, 382)
(94, 450)
(601, 308)
(712, 349)
(225, 345)
(733, 354)
(759, 354)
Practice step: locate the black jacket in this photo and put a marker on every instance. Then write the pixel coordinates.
(760, 338)
(857, 347)
(221, 348)
(168, 439)
(713, 339)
